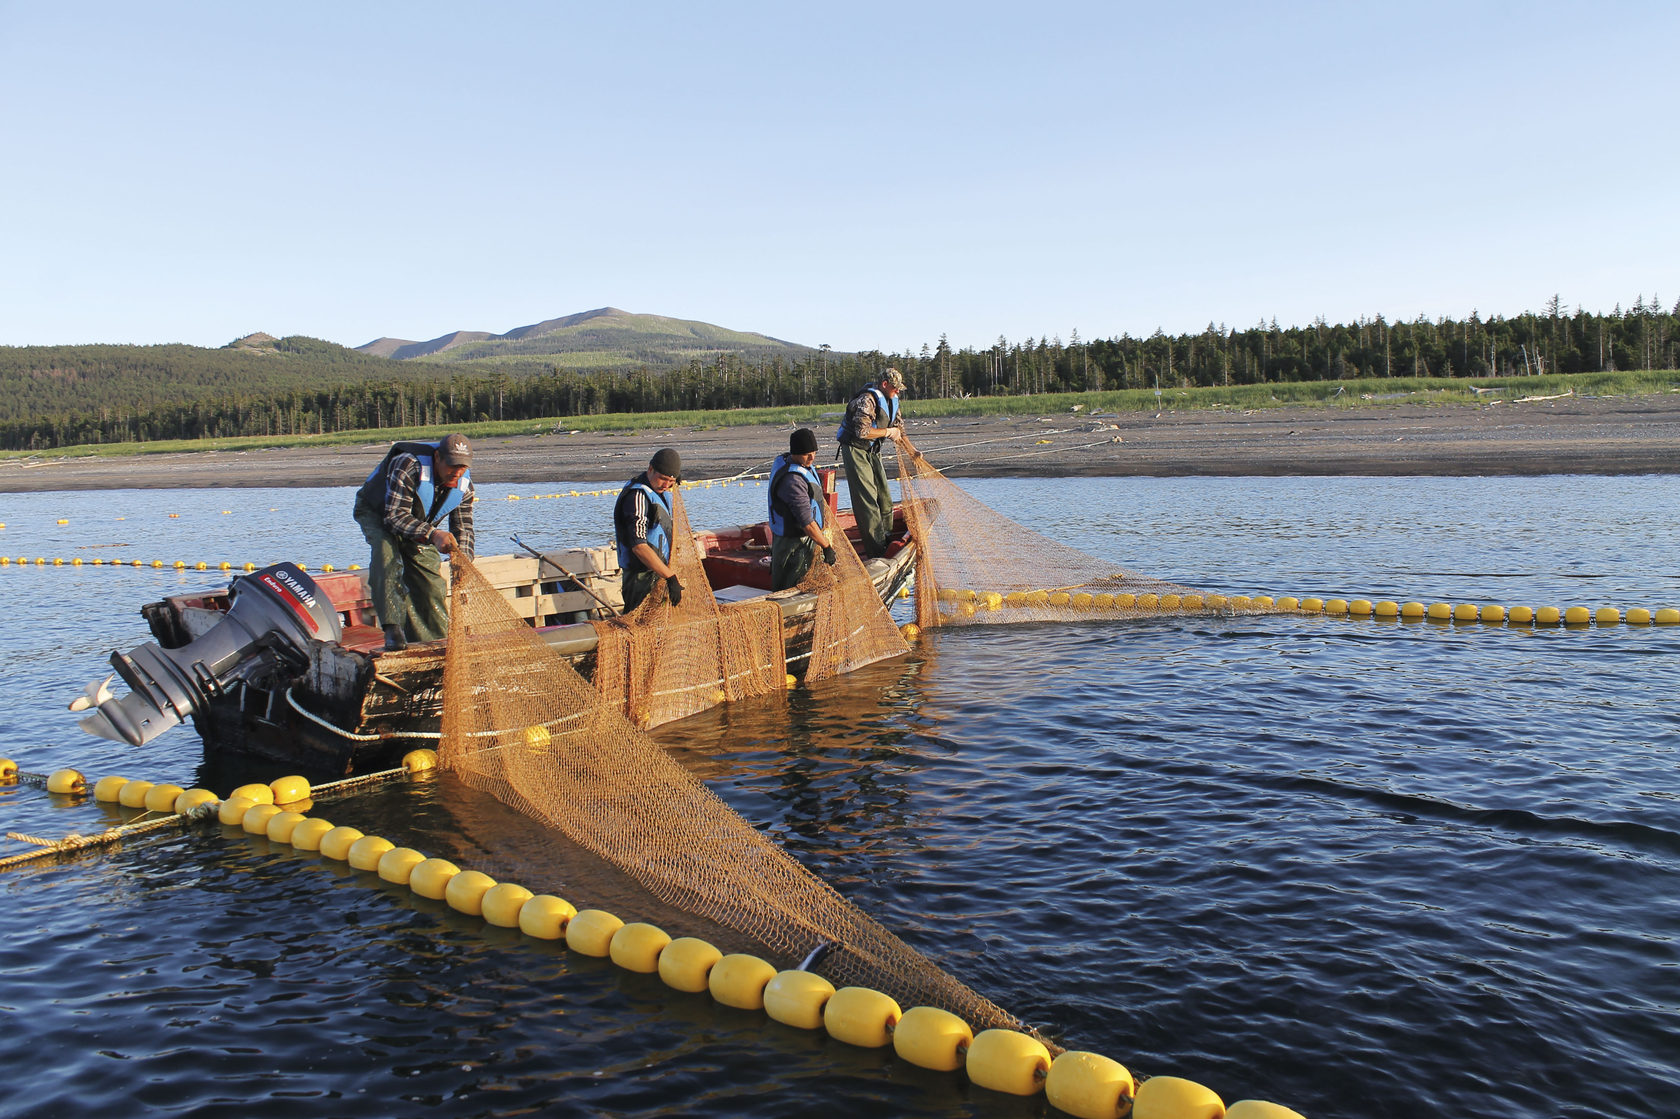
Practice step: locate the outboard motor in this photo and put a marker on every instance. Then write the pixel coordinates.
(276, 614)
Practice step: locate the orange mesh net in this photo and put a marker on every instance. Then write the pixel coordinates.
(976, 566)
(852, 626)
(664, 662)
(521, 724)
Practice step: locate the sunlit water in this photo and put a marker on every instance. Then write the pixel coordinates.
(1361, 869)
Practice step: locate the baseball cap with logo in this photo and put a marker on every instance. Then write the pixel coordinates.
(454, 450)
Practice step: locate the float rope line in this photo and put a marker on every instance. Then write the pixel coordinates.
(1083, 1084)
(155, 565)
(77, 842)
(1080, 1083)
(973, 602)
(692, 484)
(188, 804)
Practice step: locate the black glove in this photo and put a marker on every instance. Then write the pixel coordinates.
(828, 555)
(674, 589)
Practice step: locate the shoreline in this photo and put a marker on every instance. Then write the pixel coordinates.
(1572, 435)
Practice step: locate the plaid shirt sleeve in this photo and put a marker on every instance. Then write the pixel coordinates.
(399, 501)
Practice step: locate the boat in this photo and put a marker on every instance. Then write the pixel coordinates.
(289, 666)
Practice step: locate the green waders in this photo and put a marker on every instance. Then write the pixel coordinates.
(866, 478)
(406, 581)
(790, 559)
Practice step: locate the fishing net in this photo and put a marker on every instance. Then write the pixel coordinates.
(521, 724)
(975, 566)
(662, 662)
(852, 626)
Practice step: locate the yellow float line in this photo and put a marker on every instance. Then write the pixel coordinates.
(1085, 1085)
(696, 484)
(972, 602)
(178, 565)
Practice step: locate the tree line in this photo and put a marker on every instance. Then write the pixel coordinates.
(62, 396)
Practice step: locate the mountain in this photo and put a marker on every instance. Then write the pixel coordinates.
(605, 338)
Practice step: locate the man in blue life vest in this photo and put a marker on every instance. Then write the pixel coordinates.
(417, 503)
(797, 512)
(871, 419)
(643, 527)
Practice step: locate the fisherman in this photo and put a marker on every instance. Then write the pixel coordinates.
(797, 512)
(643, 526)
(404, 507)
(872, 417)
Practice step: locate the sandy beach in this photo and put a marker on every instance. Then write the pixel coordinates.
(1573, 435)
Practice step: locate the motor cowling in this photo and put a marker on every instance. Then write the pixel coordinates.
(275, 616)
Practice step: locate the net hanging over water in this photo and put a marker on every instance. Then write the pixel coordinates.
(975, 566)
(852, 627)
(662, 662)
(520, 723)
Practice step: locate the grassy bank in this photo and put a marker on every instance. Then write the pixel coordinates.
(1370, 393)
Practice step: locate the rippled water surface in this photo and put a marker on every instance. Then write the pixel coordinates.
(1361, 869)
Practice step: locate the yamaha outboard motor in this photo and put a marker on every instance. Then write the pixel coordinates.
(275, 616)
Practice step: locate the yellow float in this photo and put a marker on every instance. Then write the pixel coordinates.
(862, 1017)
(465, 892)
(66, 782)
(797, 998)
(1089, 1085)
(336, 843)
(931, 1038)
(106, 790)
(687, 963)
(161, 798)
(395, 866)
(502, 904)
(282, 824)
(739, 980)
(1173, 1097)
(133, 794)
(591, 932)
(256, 818)
(1007, 1061)
(431, 878)
(546, 917)
(307, 835)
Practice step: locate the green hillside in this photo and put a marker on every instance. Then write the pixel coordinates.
(606, 338)
(38, 381)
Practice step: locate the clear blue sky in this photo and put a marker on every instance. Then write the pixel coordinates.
(861, 174)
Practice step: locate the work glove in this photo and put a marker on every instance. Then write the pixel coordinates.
(674, 589)
(828, 555)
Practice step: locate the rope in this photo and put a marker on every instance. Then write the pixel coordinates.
(346, 784)
(428, 735)
(1026, 454)
(74, 842)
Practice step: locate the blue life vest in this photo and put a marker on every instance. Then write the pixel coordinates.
(424, 490)
(884, 406)
(778, 470)
(659, 530)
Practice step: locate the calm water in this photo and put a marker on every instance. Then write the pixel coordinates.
(1359, 869)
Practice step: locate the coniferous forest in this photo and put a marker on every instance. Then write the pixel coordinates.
(58, 396)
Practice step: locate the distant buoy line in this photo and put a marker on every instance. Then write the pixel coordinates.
(1082, 1084)
(1213, 604)
(177, 565)
(972, 602)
